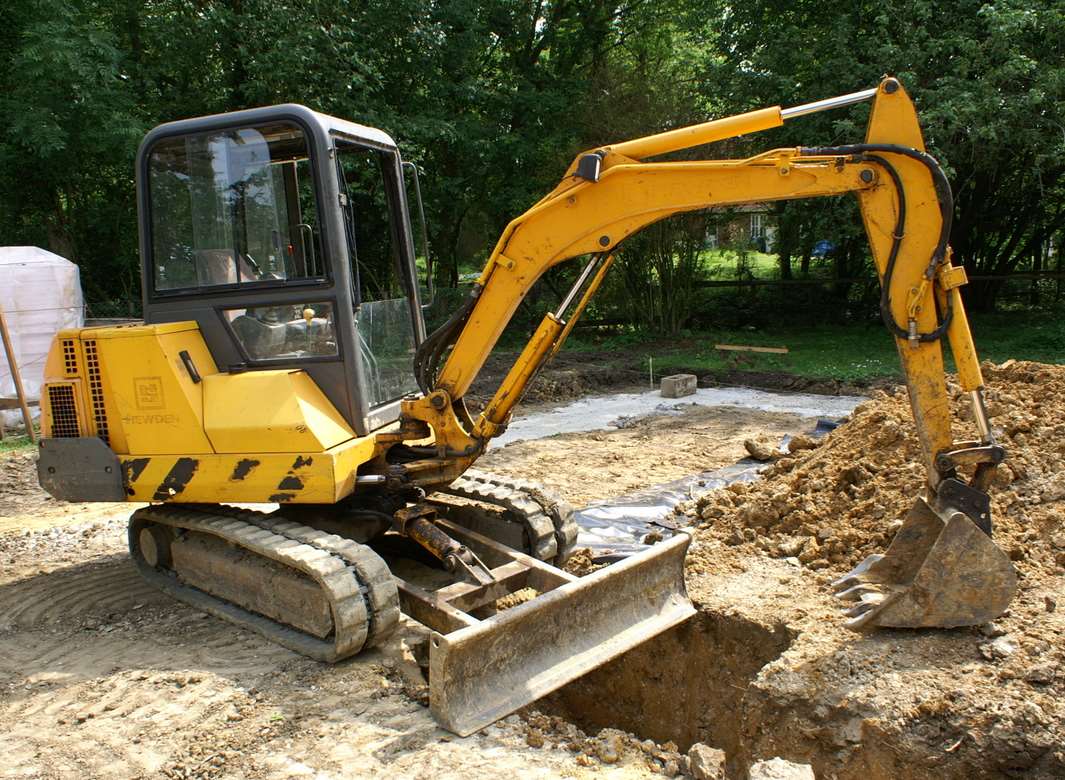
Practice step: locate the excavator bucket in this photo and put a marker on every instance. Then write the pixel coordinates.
(941, 570)
(485, 671)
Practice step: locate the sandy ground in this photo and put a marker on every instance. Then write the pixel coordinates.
(650, 450)
(101, 676)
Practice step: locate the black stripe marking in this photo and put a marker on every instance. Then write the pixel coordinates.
(290, 482)
(242, 469)
(131, 471)
(176, 479)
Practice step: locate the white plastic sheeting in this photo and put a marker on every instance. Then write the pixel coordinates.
(591, 414)
(41, 294)
(614, 528)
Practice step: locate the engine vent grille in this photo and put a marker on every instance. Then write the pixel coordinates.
(70, 358)
(96, 390)
(64, 412)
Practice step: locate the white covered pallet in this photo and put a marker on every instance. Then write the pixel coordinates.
(41, 294)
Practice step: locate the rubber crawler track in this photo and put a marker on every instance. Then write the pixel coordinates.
(362, 595)
(550, 530)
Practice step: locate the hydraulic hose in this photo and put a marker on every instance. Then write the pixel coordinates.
(431, 352)
(944, 196)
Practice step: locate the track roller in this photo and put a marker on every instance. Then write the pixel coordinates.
(523, 515)
(310, 591)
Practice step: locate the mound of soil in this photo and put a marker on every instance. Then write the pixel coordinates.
(18, 481)
(982, 701)
(835, 504)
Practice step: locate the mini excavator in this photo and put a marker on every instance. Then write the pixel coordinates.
(283, 361)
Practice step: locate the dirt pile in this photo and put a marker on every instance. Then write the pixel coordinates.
(18, 481)
(984, 701)
(832, 505)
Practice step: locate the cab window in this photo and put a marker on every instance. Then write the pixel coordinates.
(369, 187)
(231, 208)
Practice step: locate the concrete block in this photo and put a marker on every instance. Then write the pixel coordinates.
(678, 385)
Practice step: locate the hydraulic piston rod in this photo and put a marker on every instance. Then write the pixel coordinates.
(730, 127)
(827, 103)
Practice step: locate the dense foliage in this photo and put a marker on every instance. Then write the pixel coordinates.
(494, 97)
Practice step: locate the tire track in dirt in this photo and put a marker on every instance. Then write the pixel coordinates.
(96, 665)
(102, 727)
(99, 587)
(97, 699)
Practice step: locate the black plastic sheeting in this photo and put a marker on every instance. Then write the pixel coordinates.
(615, 528)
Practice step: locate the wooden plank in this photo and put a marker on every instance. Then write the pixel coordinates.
(7, 404)
(747, 348)
(19, 390)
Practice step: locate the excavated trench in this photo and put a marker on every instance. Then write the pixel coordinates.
(687, 685)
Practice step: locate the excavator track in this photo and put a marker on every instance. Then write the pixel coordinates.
(541, 524)
(318, 594)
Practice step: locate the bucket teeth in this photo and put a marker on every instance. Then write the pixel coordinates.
(867, 594)
(856, 576)
(861, 615)
(941, 571)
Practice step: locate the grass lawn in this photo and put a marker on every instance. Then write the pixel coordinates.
(13, 443)
(723, 264)
(853, 352)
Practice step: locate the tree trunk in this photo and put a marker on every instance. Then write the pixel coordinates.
(60, 238)
(1033, 288)
(788, 232)
(1057, 247)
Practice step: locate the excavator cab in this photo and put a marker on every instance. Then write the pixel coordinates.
(285, 235)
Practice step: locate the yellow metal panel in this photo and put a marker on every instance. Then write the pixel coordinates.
(960, 338)
(122, 331)
(308, 477)
(270, 411)
(347, 458)
(893, 120)
(152, 404)
(498, 410)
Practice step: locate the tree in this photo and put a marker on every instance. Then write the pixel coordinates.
(988, 80)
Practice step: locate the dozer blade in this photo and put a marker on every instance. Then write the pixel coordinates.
(483, 672)
(941, 570)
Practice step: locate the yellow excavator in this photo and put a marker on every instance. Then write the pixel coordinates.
(283, 360)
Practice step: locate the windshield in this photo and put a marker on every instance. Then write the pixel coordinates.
(232, 207)
(383, 310)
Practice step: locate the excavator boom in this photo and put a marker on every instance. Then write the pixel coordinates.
(906, 205)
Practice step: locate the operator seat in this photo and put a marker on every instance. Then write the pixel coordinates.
(215, 267)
